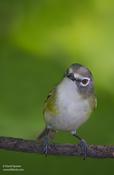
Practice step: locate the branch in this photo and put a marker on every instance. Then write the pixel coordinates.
(31, 146)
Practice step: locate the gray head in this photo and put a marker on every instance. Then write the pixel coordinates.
(82, 77)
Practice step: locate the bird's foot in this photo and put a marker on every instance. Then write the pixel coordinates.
(84, 148)
(45, 150)
(45, 146)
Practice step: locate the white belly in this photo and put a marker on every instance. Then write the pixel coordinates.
(73, 109)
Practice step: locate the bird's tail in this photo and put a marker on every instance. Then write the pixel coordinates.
(47, 133)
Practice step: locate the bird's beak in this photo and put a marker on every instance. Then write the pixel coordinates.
(71, 76)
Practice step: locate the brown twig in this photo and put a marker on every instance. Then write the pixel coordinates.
(31, 146)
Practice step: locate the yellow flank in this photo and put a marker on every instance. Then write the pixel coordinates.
(50, 104)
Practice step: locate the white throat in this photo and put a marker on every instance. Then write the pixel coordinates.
(67, 90)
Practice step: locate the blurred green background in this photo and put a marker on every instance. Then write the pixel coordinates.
(38, 40)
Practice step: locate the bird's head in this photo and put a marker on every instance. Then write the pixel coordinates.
(82, 77)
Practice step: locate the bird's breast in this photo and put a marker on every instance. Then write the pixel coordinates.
(73, 109)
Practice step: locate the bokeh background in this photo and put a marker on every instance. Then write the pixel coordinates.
(38, 40)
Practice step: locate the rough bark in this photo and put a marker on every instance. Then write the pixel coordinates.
(31, 146)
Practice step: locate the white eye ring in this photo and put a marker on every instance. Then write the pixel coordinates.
(84, 81)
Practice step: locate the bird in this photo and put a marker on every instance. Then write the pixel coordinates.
(69, 105)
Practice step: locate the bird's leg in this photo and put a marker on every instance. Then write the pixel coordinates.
(83, 144)
(45, 145)
(44, 139)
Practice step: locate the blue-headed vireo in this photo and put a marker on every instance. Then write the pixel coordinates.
(69, 105)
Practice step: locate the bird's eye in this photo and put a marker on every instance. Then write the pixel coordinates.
(85, 81)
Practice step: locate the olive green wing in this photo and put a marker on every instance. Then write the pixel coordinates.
(50, 103)
(93, 102)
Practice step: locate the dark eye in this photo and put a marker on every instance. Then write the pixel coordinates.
(85, 81)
